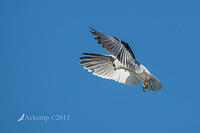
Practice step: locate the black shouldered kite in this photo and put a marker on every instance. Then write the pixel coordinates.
(121, 65)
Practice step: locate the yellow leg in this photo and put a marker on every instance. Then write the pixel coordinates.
(145, 85)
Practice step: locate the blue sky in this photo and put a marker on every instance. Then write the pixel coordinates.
(39, 72)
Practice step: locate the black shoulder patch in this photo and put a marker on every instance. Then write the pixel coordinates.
(114, 66)
(128, 48)
(116, 38)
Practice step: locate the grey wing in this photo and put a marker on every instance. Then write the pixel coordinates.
(104, 66)
(117, 48)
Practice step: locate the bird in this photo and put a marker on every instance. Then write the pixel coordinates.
(120, 65)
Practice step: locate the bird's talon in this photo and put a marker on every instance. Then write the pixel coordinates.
(145, 86)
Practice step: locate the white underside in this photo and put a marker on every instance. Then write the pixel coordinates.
(121, 74)
(118, 72)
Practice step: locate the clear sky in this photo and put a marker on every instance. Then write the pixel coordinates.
(41, 40)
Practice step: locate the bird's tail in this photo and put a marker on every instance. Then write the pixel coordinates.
(154, 84)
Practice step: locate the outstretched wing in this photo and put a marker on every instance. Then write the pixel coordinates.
(105, 66)
(117, 48)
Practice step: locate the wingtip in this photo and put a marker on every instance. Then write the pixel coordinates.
(93, 31)
(91, 27)
(92, 54)
(85, 53)
(80, 58)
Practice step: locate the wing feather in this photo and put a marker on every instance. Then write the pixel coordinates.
(105, 66)
(117, 48)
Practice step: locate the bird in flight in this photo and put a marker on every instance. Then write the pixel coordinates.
(121, 65)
